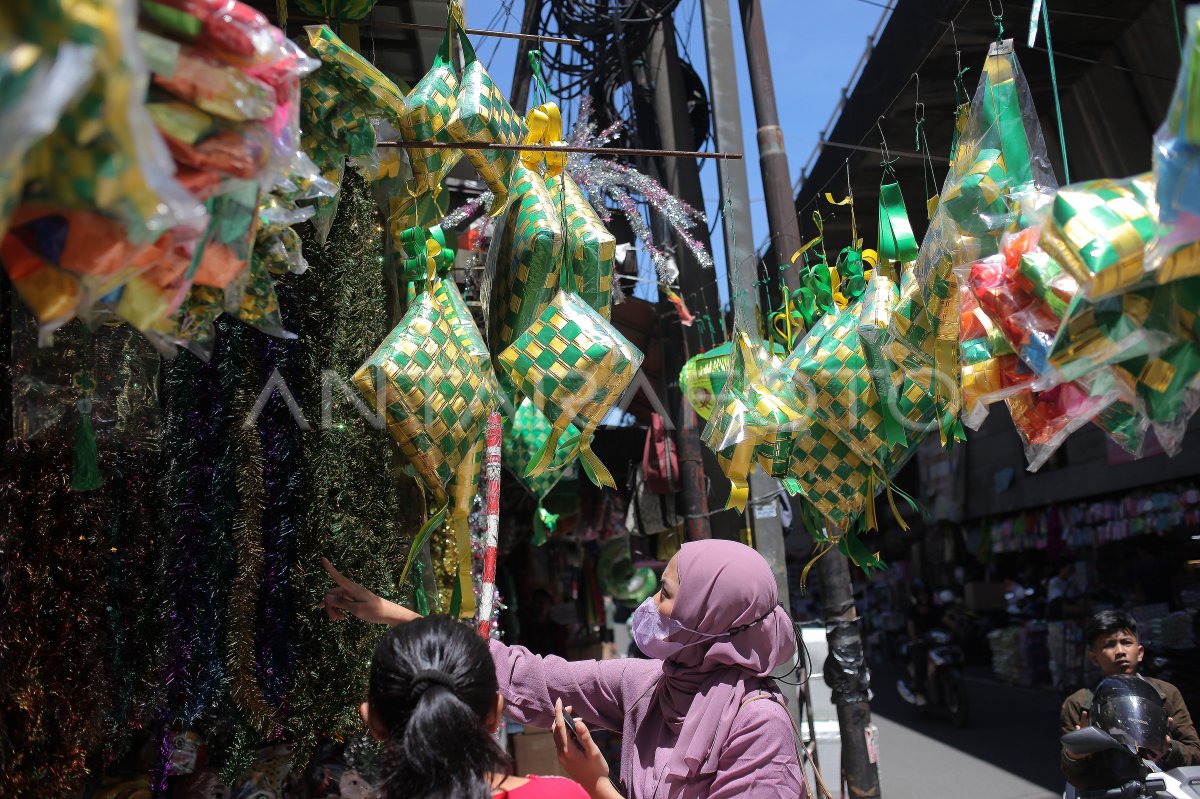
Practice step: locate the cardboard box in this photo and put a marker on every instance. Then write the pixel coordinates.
(984, 596)
(534, 753)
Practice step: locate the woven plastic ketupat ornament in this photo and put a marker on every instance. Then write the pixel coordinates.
(590, 245)
(340, 10)
(703, 378)
(526, 254)
(526, 432)
(482, 115)
(432, 377)
(574, 365)
(427, 112)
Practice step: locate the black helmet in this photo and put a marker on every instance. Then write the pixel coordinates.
(1131, 710)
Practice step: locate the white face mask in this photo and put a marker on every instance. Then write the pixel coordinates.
(651, 630)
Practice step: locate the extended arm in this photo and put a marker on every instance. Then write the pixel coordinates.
(531, 684)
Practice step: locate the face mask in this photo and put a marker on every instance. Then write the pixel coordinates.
(651, 630)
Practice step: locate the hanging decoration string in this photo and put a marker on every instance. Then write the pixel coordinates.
(998, 18)
(1062, 140)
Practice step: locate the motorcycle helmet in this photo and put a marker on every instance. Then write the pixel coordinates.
(1131, 710)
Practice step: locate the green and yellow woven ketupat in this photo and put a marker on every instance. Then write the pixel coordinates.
(437, 394)
(529, 252)
(482, 115)
(590, 245)
(574, 365)
(427, 112)
(526, 431)
(355, 72)
(703, 378)
(1099, 231)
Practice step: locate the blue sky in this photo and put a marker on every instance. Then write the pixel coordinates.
(810, 72)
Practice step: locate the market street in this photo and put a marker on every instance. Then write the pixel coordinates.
(1008, 750)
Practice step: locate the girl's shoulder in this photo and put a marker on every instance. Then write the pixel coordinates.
(547, 788)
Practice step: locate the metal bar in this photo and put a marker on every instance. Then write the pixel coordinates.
(416, 26)
(543, 148)
(906, 154)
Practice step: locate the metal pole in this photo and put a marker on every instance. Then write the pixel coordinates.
(772, 156)
(727, 123)
(846, 674)
(698, 284)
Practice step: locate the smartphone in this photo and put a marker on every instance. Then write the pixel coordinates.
(572, 732)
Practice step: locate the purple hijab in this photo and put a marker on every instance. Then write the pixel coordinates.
(722, 586)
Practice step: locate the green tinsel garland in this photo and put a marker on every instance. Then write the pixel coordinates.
(360, 514)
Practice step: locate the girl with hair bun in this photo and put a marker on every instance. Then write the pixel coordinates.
(702, 718)
(434, 702)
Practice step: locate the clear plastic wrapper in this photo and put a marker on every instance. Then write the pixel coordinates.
(37, 92)
(1175, 252)
(105, 154)
(990, 369)
(232, 29)
(1046, 419)
(205, 81)
(1126, 423)
(999, 181)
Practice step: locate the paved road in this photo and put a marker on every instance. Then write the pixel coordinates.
(1008, 751)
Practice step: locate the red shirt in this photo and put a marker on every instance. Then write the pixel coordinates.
(546, 788)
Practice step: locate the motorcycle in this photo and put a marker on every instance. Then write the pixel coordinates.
(945, 688)
(1150, 782)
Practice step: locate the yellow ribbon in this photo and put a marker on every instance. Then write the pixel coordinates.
(545, 128)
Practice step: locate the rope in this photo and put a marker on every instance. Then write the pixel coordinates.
(1062, 140)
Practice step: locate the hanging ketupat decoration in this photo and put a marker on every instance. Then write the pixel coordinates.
(526, 431)
(574, 365)
(426, 116)
(482, 115)
(437, 387)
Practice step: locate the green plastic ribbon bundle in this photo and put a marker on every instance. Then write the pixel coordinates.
(574, 365)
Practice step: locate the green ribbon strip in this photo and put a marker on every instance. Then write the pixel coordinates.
(1003, 109)
(535, 65)
(897, 243)
(850, 270)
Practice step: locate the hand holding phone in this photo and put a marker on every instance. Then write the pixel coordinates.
(572, 733)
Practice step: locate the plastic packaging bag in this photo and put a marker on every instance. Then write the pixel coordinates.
(1046, 419)
(991, 370)
(236, 31)
(205, 81)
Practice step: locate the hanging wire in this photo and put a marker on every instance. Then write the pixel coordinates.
(922, 143)
(998, 18)
(1062, 139)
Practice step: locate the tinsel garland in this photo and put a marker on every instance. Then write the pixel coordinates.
(200, 474)
(246, 691)
(357, 515)
(53, 667)
(132, 602)
(284, 509)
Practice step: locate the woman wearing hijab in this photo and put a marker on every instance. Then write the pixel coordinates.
(690, 723)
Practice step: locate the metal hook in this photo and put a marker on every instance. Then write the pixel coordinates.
(887, 156)
(917, 99)
(998, 18)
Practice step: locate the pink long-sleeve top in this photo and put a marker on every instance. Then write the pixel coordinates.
(759, 760)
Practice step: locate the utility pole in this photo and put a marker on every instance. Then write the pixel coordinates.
(845, 670)
(741, 271)
(847, 675)
(681, 176)
(772, 156)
